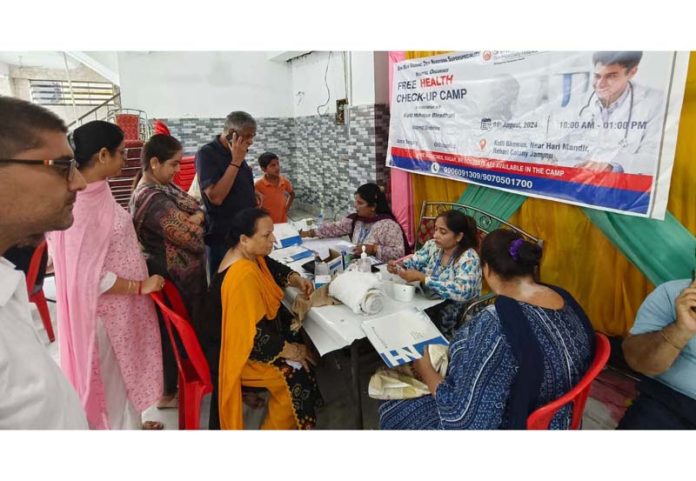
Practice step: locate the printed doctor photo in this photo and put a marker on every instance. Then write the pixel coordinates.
(616, 124)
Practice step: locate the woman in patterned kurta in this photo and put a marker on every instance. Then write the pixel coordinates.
(169, 226)
(372, 225)
(447, 265)
(258, 348)
(478, 389)
(107, 327)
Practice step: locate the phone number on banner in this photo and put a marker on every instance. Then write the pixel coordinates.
(501, 180)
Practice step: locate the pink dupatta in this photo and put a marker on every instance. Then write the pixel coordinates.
(80, 256)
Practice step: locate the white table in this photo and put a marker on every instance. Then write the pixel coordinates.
(335, 327)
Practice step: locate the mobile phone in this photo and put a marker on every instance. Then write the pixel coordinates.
(230, 136)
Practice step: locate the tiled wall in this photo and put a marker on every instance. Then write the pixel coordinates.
(325, 162)
(273, 134)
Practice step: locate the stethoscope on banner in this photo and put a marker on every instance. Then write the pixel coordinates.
(623, 143)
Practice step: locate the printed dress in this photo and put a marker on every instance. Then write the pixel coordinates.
(482, 368)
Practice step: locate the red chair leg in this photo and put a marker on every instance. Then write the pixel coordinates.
(183, 402)
(40, 301)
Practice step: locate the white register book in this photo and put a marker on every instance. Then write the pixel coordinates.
(401, 337)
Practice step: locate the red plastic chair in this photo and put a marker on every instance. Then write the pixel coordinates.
(186, 173)
(541, 418)
(36, 293)
(194, 373)
(130, 124)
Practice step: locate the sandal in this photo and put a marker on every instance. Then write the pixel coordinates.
(153, 426)
(168, 402)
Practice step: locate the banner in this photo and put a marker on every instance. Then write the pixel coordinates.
(595, 129)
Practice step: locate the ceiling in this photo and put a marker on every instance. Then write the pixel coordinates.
(53, 60)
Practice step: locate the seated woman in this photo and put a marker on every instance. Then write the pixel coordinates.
(168, 223)
(257, 347)
(448, 265)
(372, 225)
(529, 349)
(110, 348)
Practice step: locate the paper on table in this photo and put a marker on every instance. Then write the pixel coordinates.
(322, 246)
(290, 254)
(285, 235)
(401, 337)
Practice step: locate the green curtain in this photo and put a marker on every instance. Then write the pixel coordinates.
(661, 250)
(500, 204)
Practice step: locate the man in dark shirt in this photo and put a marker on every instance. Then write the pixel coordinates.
(226, 181)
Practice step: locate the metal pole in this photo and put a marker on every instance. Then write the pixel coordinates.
(72, 94)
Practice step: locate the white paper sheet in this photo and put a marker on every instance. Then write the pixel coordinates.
(401, 337)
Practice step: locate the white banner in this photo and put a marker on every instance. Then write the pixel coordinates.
(596, 129)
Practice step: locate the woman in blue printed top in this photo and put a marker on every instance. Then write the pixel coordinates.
(447, 265)
(528, 349)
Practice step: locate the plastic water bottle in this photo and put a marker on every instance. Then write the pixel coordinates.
(320, 219)
(321, 274)
(365, 264)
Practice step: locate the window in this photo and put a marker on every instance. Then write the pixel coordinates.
(57, 92)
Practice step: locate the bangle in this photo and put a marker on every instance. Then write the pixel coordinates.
(235, 165)
(669, 341)
(140, 288)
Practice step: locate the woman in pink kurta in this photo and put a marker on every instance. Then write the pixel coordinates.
(110, 347)
(372, 225)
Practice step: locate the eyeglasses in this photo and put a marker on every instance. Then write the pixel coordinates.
(69, 165)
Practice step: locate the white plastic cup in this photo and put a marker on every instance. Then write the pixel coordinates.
(404, 292)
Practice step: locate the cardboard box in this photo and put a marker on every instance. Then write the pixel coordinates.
(335, 262)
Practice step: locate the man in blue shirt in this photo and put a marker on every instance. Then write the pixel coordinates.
(662, 345)
(226, 181)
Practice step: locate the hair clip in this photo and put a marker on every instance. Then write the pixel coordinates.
(515, 249)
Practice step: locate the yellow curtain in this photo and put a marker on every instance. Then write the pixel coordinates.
(682, 194)
(577, 256)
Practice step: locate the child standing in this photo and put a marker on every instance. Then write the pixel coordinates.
(276, 189)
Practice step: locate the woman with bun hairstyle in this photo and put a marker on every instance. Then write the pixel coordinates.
(256, 344)
(169, 225)
(110, 347)
(528, 349)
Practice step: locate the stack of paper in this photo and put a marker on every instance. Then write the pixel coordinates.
(291, 254)
(286, 235)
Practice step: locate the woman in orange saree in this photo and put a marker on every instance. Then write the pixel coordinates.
(258, 348)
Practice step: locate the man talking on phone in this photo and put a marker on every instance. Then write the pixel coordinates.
(226, 181)
(662, 346)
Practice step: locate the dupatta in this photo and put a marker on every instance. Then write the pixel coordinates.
(249, 293)
(79, 255)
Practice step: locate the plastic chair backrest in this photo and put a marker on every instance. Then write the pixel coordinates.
(35, 266)
(187, 172)
(177, 316)
(542, 417)
(130, 124)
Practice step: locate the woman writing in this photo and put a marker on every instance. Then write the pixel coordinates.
(372, 225)
(258, 348)
(530, 348)
(109, 339)
(447, 265)
(168, 223)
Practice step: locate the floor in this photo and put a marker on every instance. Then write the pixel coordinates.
(609, 396)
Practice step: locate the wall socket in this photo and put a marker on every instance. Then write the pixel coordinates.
(341, 111)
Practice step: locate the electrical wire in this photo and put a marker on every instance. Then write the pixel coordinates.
(328, 90)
